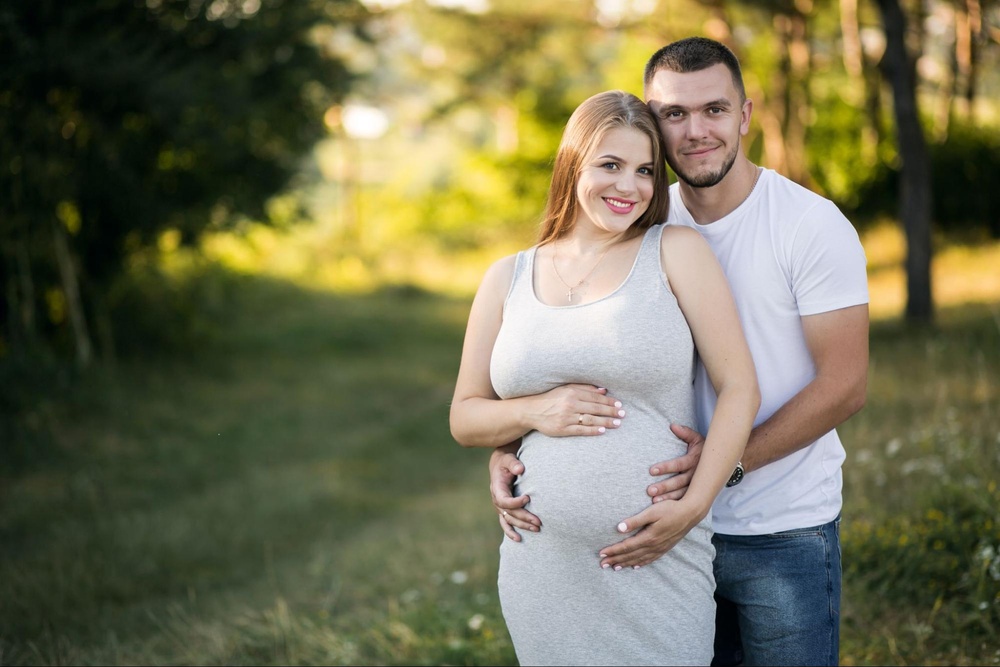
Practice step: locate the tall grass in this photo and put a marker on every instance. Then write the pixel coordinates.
(282, 488)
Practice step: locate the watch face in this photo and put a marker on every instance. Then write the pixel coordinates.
(737, 476)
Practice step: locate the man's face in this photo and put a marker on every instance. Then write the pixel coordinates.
(701, 119)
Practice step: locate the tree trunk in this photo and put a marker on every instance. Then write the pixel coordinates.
(789, 103)
(850, 33)
(799, 97)
(24, 294)
(71, 288)
(915, 177)
(962, 59)
(858, 68)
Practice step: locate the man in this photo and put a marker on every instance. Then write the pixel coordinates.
(797, 272)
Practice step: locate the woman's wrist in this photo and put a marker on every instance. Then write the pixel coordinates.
(528, 417)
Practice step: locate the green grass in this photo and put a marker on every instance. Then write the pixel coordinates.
(286, 491)
(922, 506)
(289, 493)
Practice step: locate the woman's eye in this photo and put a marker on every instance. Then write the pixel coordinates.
(645, 171)
(610, 166)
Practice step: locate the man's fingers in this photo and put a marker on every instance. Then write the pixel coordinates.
(510, 465)
(673, 495)
(680, 464)
(688, 435)
(521, 520)
(508, 530)
(504, 500)
(671, 485)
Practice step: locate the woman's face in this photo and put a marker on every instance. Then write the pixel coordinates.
(615, 184)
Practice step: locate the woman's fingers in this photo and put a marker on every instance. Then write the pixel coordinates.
(594, 417)
(589, 424)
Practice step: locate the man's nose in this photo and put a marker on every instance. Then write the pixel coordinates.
(697, 127)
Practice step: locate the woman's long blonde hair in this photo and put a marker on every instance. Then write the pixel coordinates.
(584, 131)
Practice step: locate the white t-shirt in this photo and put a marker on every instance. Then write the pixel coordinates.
(787, 253)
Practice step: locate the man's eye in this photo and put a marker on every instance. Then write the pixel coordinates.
(716, 110)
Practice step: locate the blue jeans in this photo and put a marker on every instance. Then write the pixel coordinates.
(778, 597)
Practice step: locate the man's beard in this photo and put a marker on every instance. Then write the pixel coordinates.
(711, 178)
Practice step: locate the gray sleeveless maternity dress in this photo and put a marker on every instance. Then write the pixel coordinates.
(561, 608)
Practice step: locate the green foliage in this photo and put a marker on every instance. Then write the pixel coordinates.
(945, 551)
(920, 531)
(966, 170)
(845, 168)
(121, 119)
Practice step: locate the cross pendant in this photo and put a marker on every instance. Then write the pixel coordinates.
(569, 296)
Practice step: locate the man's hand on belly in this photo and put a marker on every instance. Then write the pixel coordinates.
(504, 469)
(681, 467)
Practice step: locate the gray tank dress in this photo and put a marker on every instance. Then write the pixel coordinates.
(561, 608)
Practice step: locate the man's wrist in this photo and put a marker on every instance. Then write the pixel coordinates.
(738, 473)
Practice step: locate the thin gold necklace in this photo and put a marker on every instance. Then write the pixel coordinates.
(752, 186)
(569, 294)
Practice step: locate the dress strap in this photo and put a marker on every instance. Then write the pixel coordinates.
(522, 275)
(648, 262)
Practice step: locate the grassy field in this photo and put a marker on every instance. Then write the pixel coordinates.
(282, 488)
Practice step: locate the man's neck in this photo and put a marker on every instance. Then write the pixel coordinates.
(707, 205)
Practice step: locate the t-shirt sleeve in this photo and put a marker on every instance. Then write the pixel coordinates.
(828, 262)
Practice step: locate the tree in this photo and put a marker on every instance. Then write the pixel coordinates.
(121, 119)
(915, 176)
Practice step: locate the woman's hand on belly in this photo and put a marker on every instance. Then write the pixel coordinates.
(661, 526)
(574, 409)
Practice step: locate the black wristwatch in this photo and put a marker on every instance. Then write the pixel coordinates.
(737, 475)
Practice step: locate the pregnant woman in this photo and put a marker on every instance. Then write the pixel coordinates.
(584, 346)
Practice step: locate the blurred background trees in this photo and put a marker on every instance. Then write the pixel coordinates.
(125, 124)
(402, 128)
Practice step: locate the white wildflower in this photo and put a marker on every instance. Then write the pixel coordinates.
(476, 622)
(893, 447)
(459, 577)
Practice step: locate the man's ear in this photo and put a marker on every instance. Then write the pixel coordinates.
(745, 113)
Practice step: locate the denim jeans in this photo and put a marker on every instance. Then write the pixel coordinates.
(778, 597)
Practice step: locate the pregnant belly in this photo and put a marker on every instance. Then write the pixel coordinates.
(582, 487)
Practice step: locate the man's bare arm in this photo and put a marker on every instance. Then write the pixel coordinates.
(838, 343)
